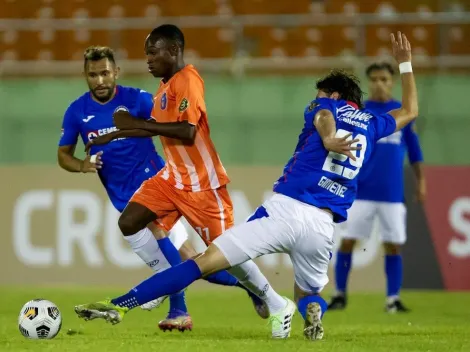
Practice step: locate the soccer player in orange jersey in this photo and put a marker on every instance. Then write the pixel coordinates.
(193, 182)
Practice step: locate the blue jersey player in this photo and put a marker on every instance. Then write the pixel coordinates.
(122, 165)
(318, 186)
(380, 195)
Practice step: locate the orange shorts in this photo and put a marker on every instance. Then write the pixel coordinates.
(210, 213)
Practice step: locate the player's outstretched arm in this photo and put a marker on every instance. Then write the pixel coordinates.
(106, 138)
(179, 130)
(409, 110)
(326, 126)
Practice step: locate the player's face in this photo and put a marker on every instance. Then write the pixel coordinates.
(160, 57)
(101, 78)
(380, 85)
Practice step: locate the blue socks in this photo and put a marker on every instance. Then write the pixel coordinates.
(177, 300)
(169, 251)
(394, 272)
(342, 268)
(222, 278)
(304, 302)
(165, 283)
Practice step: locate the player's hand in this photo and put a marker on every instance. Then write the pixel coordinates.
(100, 140)
(92, 166)
(125, 121)
(420, 195)
(401, 48)
(342, 145)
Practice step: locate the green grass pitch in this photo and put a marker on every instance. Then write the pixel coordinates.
(224, 321)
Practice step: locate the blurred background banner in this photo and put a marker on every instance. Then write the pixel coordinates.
(259, 60)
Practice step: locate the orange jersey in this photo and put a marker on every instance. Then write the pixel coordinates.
(195, 167)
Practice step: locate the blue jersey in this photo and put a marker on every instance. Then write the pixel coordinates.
(127, 162)
(382, 179)
(325, 179)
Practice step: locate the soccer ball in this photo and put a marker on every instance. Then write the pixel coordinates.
(39, 319)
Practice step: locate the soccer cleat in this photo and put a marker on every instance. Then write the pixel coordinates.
(281, 322)
(261, 307)
(313, 327)
(176, 320)
(154, 304)
(338, 302)
(101, 310)
(396, 307)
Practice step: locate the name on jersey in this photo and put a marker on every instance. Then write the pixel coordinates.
(101, 132)
(354, 117)
(332, 186)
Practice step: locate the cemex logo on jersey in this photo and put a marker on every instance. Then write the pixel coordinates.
(352, 116)
(101, 132)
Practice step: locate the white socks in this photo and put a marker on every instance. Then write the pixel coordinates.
(145, 245)
(249, 275)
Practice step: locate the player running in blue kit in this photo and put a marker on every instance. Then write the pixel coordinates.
(122, 165)
(380, 195)
(318, 186)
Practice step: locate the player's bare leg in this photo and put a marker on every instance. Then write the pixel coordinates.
(394, 272)
(158, 285)
(343, 266)
(310, 306)
(134, 218)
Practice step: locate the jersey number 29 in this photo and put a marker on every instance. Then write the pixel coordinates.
(330, 165)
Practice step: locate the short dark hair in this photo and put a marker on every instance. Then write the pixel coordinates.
(346, 84)
(378, 66)
(96, 53)
(169, 32)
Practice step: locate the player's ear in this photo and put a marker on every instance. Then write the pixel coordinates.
(335, 96)
(117, 72)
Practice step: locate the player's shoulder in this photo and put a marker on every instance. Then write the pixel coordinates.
(320, 104)
(395, 104)
(131, 92)
(382, 106)
(78, 105)
(188, 74)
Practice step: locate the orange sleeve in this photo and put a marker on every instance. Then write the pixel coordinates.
(189, 92)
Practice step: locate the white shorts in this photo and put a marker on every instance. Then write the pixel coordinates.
(288, 226)
(178, 234)
(361, 216)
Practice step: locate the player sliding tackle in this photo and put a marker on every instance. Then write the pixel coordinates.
(318, 186)
(193, 181)
(122, 166)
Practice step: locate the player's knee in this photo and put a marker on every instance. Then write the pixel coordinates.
(300, 293)
(392, 248)
(127, 225)
(347, 245)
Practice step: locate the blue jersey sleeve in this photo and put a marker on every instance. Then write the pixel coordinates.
(415, 154)
(385, 125)
(145, 104)
(317, 105)
(70, 128)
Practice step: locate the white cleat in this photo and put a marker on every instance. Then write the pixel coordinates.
(313, 328)
(153, 304)
(281, 322)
